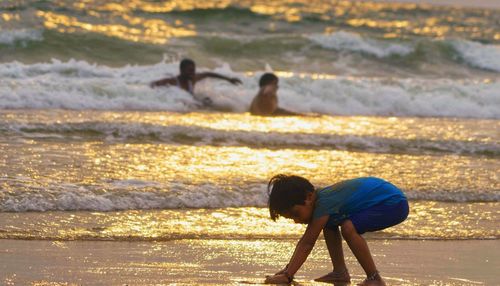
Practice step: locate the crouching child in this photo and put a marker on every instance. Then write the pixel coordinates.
(345, 210)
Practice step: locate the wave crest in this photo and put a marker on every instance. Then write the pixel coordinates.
(478, 55)
(196, 135)
(136, 194)
(345, 41)
(10, 37)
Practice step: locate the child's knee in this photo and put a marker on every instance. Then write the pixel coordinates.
(331, 233)
(347, 228)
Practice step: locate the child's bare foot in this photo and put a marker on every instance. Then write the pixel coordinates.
(373, 280)
(335, 276)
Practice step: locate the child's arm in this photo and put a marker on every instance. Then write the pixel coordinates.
(286, 267)
(302, 250)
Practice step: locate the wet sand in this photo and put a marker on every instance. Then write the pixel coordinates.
(236, 262)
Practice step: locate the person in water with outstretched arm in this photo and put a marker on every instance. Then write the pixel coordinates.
(188, 77)
(346, 210)
(265, 102)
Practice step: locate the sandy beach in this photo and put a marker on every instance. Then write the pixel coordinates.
(236, 262)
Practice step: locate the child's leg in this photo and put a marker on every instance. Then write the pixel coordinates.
(333, 241)
(372, 219)
(359, 247)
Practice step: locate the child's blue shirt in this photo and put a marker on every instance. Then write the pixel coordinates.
(351, 196)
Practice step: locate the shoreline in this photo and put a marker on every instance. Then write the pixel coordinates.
(237, 262)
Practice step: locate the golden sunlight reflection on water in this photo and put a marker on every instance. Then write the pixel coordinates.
(219, 165)
(427, 220)
(59, 167)
(133, 29)
(452, 129)
(91, 161)
(141, 21)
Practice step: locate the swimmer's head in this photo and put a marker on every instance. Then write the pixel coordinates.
(187, 68)
(267, 79)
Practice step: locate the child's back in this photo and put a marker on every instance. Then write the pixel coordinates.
(266, 101)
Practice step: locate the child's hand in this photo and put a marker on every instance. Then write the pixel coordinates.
(235, 80)
(277, 279)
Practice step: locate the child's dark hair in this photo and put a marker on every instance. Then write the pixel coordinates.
(285, 191)
(186, 62)
(266, 79)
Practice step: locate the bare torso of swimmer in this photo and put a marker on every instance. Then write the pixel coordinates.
(187, 85)
(266, 101)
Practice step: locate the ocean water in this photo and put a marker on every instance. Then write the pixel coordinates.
(406, 92)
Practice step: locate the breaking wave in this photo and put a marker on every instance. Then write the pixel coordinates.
(136, 194)
(81, 85)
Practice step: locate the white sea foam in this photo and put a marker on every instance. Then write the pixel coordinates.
(10, 37)
(411, 97)
(80, 85)
(478, 55)
(125, 195)
(345, 41)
